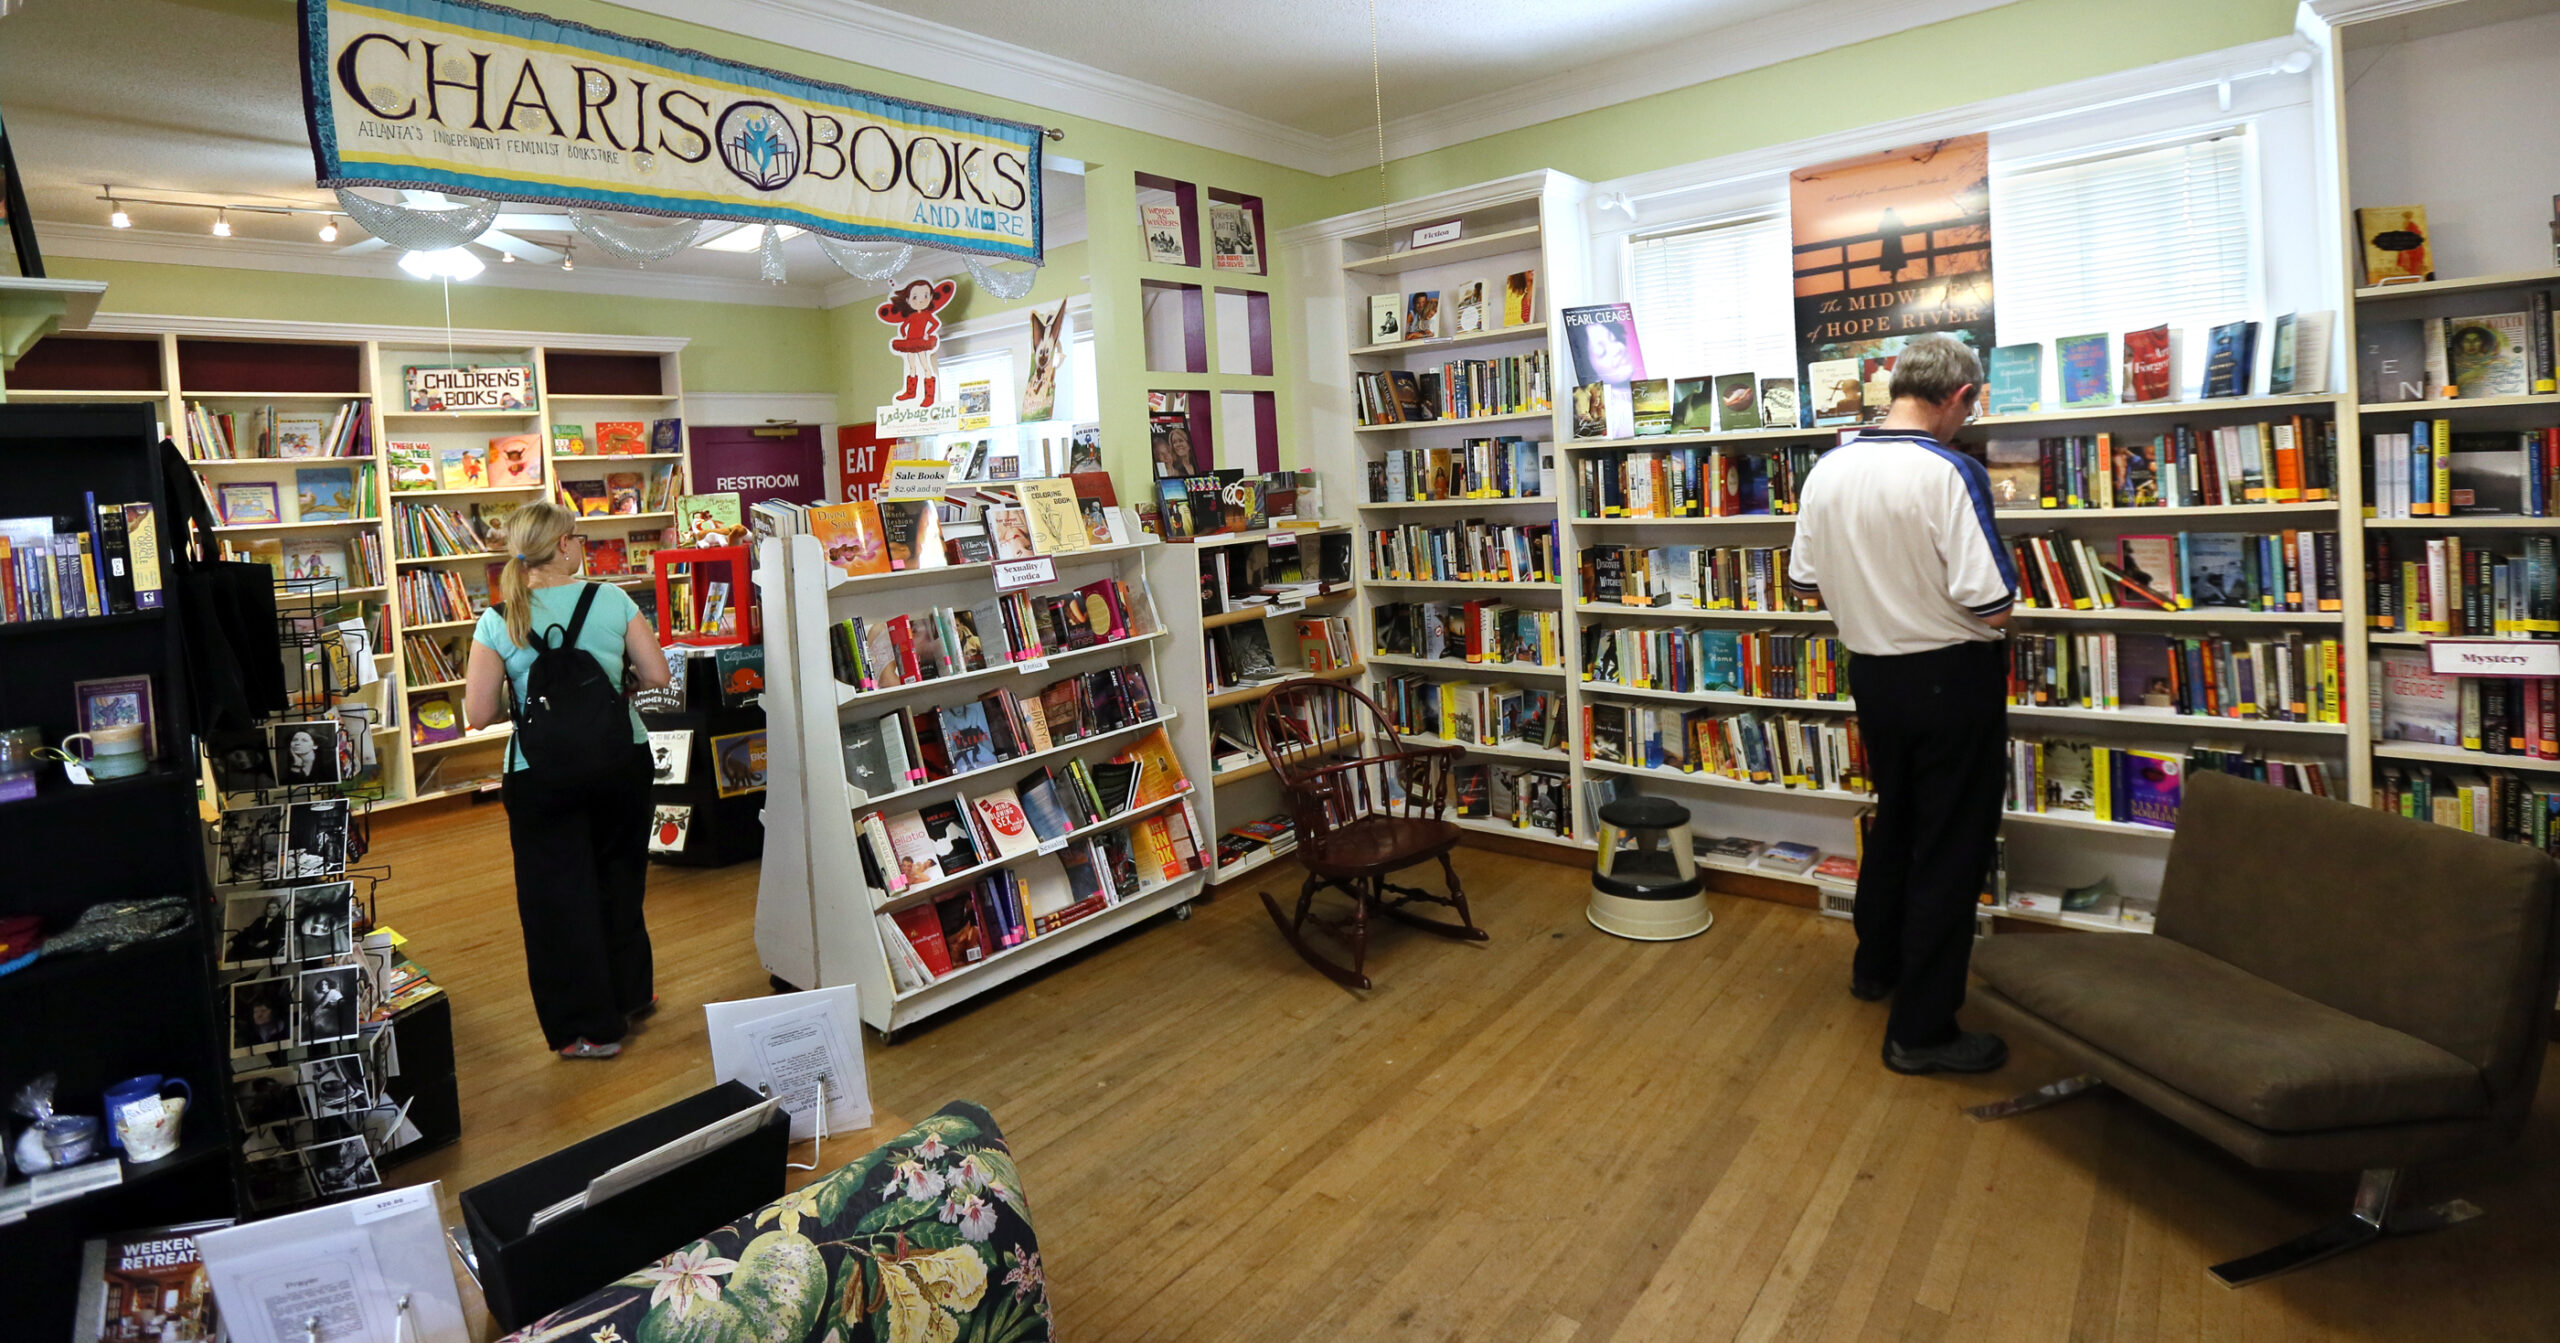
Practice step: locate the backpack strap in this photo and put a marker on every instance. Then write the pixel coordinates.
(577, 621)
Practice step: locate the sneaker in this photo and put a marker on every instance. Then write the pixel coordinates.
(1969, 1052)
(644, 1011)
(583, 1048)
(1869, 990)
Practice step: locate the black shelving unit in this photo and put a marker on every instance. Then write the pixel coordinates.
(96, 1019)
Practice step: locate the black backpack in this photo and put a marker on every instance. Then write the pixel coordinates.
(571, 724)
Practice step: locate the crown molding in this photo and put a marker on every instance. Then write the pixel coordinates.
(475, 338)
(1796, 32)
(98, 242)
(885, 39)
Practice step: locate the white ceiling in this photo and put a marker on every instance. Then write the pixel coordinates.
(201, 99)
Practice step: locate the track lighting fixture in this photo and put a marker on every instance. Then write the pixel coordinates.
(116, 217)
(329, 229)
(222, 223)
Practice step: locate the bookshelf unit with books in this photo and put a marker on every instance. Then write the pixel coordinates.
(292, 427)
(970, 856)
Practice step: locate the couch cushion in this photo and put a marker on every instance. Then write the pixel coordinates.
(2262, 1054)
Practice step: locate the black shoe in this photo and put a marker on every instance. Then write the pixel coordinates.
(1969, 1052)
(1869, 990)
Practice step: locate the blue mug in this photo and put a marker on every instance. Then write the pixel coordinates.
(134, 1089)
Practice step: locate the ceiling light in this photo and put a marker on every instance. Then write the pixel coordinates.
(508, 257)
(116, 217)
(453, 263)
(329, 230)
(746, 238)
(222, 223)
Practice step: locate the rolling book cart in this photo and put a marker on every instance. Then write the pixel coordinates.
(815, 910)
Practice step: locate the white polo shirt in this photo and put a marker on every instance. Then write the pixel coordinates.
(1894, 530)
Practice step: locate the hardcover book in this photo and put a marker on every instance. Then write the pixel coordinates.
(1839, 397)
(462, 468)
(2417, 704)
(2147, 375)
(2394, 241)
(515, 459)
(324, 493)
(587, 496)
(1737, 401)
(2217, 570)
(2017, 380)
(412, 466)
(622, 438)
(2391, 360)
(302, 435)
(708, 519)
(2085, 369)
(2016, 466)
(1778, 403)
(148, 1284)
(2230, 362)
(568, 440)
(666, 436)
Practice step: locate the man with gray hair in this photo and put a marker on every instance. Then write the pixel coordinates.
(1894, 533)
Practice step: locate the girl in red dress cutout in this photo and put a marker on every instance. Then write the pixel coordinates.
(913, 310)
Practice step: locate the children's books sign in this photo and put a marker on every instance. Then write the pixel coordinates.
(1889, 246)
(456, 95)
(455, 387)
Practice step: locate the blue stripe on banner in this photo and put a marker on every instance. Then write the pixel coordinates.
(1977, 483)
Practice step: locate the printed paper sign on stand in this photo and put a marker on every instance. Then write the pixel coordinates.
(790, 1046)
(471, 98)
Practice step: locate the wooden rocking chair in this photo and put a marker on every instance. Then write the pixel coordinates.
(1358, 819)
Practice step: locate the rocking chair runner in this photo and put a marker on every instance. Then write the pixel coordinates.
(1354, 828)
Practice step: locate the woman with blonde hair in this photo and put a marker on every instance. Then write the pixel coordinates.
(581, 840)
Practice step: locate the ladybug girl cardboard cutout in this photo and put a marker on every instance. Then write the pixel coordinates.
(914, 309)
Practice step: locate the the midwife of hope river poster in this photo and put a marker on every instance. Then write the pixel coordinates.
(1893, 245)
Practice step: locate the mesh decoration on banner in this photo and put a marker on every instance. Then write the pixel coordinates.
(865, 263)
(770, 252)
(1004, 284)
(642, 243)
(415, 230)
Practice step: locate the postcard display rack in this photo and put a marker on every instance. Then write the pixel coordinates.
(815, 924)
(94, 1018)
(224, 388)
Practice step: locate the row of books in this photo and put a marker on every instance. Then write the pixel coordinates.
(2104, 783)
(354, 561)
(1325, 643)
(1692, 482)
(1012, 905)
(617, 438)
(2086, 372)
(430, 531)
(1750, 745)
(2433, 471)
(622, 492)
(2290, 570)
(615, 557)
(1457, 390)
(2492, 802)
(1240, 655)
(2446, 587)
(1473, 713)
(104, 560)
(1275, 834)
(1473, 551)
(320, 494)
(438, 596)
(1479, 631)
(1509, 467)
(953, 641)
(1233, 739)
(912, 747)
(1276, 570)
(2493, 715)
(510, 461)
(1697, 658)
(908, 849)
(2288, 679)
(429, 660)
(266, 432)
(1680, 578)
(2433, 358)
(2269, 462)
(1047, 516)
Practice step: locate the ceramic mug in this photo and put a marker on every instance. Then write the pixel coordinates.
(114, 752)
(144, 1093)
(147, 1129)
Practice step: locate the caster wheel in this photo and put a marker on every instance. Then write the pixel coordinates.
(1182, 912)
(781, 985)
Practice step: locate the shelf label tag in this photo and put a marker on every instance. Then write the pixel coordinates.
(1012, 575)
(1030, 665)
(2493, 657)
(379, 1206)
(1053, 845)
(915, 480)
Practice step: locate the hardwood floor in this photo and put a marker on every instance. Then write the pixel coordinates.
(1555, 1136)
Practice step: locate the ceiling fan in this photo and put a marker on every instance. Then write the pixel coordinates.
(499, 237)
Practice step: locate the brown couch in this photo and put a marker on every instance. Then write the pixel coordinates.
(2330, 988)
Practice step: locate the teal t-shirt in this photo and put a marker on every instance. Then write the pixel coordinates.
(553, 608)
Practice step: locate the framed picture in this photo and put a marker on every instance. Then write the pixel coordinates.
(306, 753)
(247, 502)
(315, 843)
(331, 1010)
(261, 1015)
(256, 929)
(737, 762)
(671, 756)
(118, 701)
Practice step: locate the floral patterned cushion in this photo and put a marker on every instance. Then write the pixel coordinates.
(925, 1240)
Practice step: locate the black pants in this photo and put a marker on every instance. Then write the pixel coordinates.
(1935, 726)
(582, 869)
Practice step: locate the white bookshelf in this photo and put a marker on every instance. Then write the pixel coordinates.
(815, 924)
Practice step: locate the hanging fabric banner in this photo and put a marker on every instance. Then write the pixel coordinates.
(1888, 246)
(453, 95)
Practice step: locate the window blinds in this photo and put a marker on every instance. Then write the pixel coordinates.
(2126, 241)
(1716, 298)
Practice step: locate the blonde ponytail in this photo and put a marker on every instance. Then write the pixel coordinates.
(533, 535)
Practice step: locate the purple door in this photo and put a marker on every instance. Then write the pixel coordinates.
(760, 464)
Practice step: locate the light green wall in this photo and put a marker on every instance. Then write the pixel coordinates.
(2027, 45)
(736, 347)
